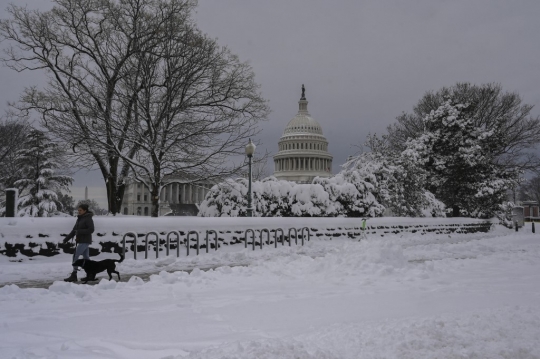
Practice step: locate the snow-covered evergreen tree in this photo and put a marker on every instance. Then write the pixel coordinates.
(385, 179)
(39, 185)
(459, 160)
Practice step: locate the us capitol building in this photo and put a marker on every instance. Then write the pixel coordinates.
(303, 155)
(303, 149)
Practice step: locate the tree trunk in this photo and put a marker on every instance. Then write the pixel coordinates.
(455, 211)
(115, 194)
(155, 200)
(115, 190)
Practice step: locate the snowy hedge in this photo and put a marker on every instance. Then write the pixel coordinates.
(359, 190)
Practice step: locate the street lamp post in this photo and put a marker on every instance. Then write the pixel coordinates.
(250, 150)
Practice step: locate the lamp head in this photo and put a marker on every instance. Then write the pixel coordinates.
(250, 148)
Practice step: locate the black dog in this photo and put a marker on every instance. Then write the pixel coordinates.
(94, 267)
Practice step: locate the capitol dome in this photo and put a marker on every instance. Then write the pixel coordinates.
(303, 149)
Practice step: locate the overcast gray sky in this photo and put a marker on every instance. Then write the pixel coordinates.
(362, 62)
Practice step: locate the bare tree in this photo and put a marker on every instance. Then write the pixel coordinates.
(260, 166)
(530, 190)
(516, 133)
(84, 47)
(193, 103)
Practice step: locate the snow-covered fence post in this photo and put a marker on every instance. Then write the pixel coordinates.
(12, 197)
(295, 236)
(177, 242)
(187, 240)
(215, 237)
(146, 244)
(267, 236)
(308, 234)
(134, 244)
(252, 237)
(275, 237)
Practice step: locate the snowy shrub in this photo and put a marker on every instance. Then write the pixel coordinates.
(505, 214)
(226, 199)
(432, 206)
(271, 198)
(350, 199)
(385, 179)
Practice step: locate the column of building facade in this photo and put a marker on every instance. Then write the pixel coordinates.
(182, 192)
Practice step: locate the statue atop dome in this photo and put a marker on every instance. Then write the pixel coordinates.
(303, 93)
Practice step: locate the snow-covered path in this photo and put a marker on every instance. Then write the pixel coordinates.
(438, 296)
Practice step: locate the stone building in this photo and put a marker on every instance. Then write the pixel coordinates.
(303, 149)
(180, 198)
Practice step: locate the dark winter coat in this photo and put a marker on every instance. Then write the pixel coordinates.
(84, 227)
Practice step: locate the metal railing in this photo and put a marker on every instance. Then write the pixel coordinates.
(275, 237)
(215, 237)
(188, 243)
(295, 236)
(252, 237)
(146, 244)
(209, 232)
(177, 242)
(261, 237)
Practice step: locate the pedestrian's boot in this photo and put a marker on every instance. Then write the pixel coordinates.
(72, 277)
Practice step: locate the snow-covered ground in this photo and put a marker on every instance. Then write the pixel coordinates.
(398, 296)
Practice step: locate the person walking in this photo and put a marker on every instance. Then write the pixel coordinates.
(82, 231)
